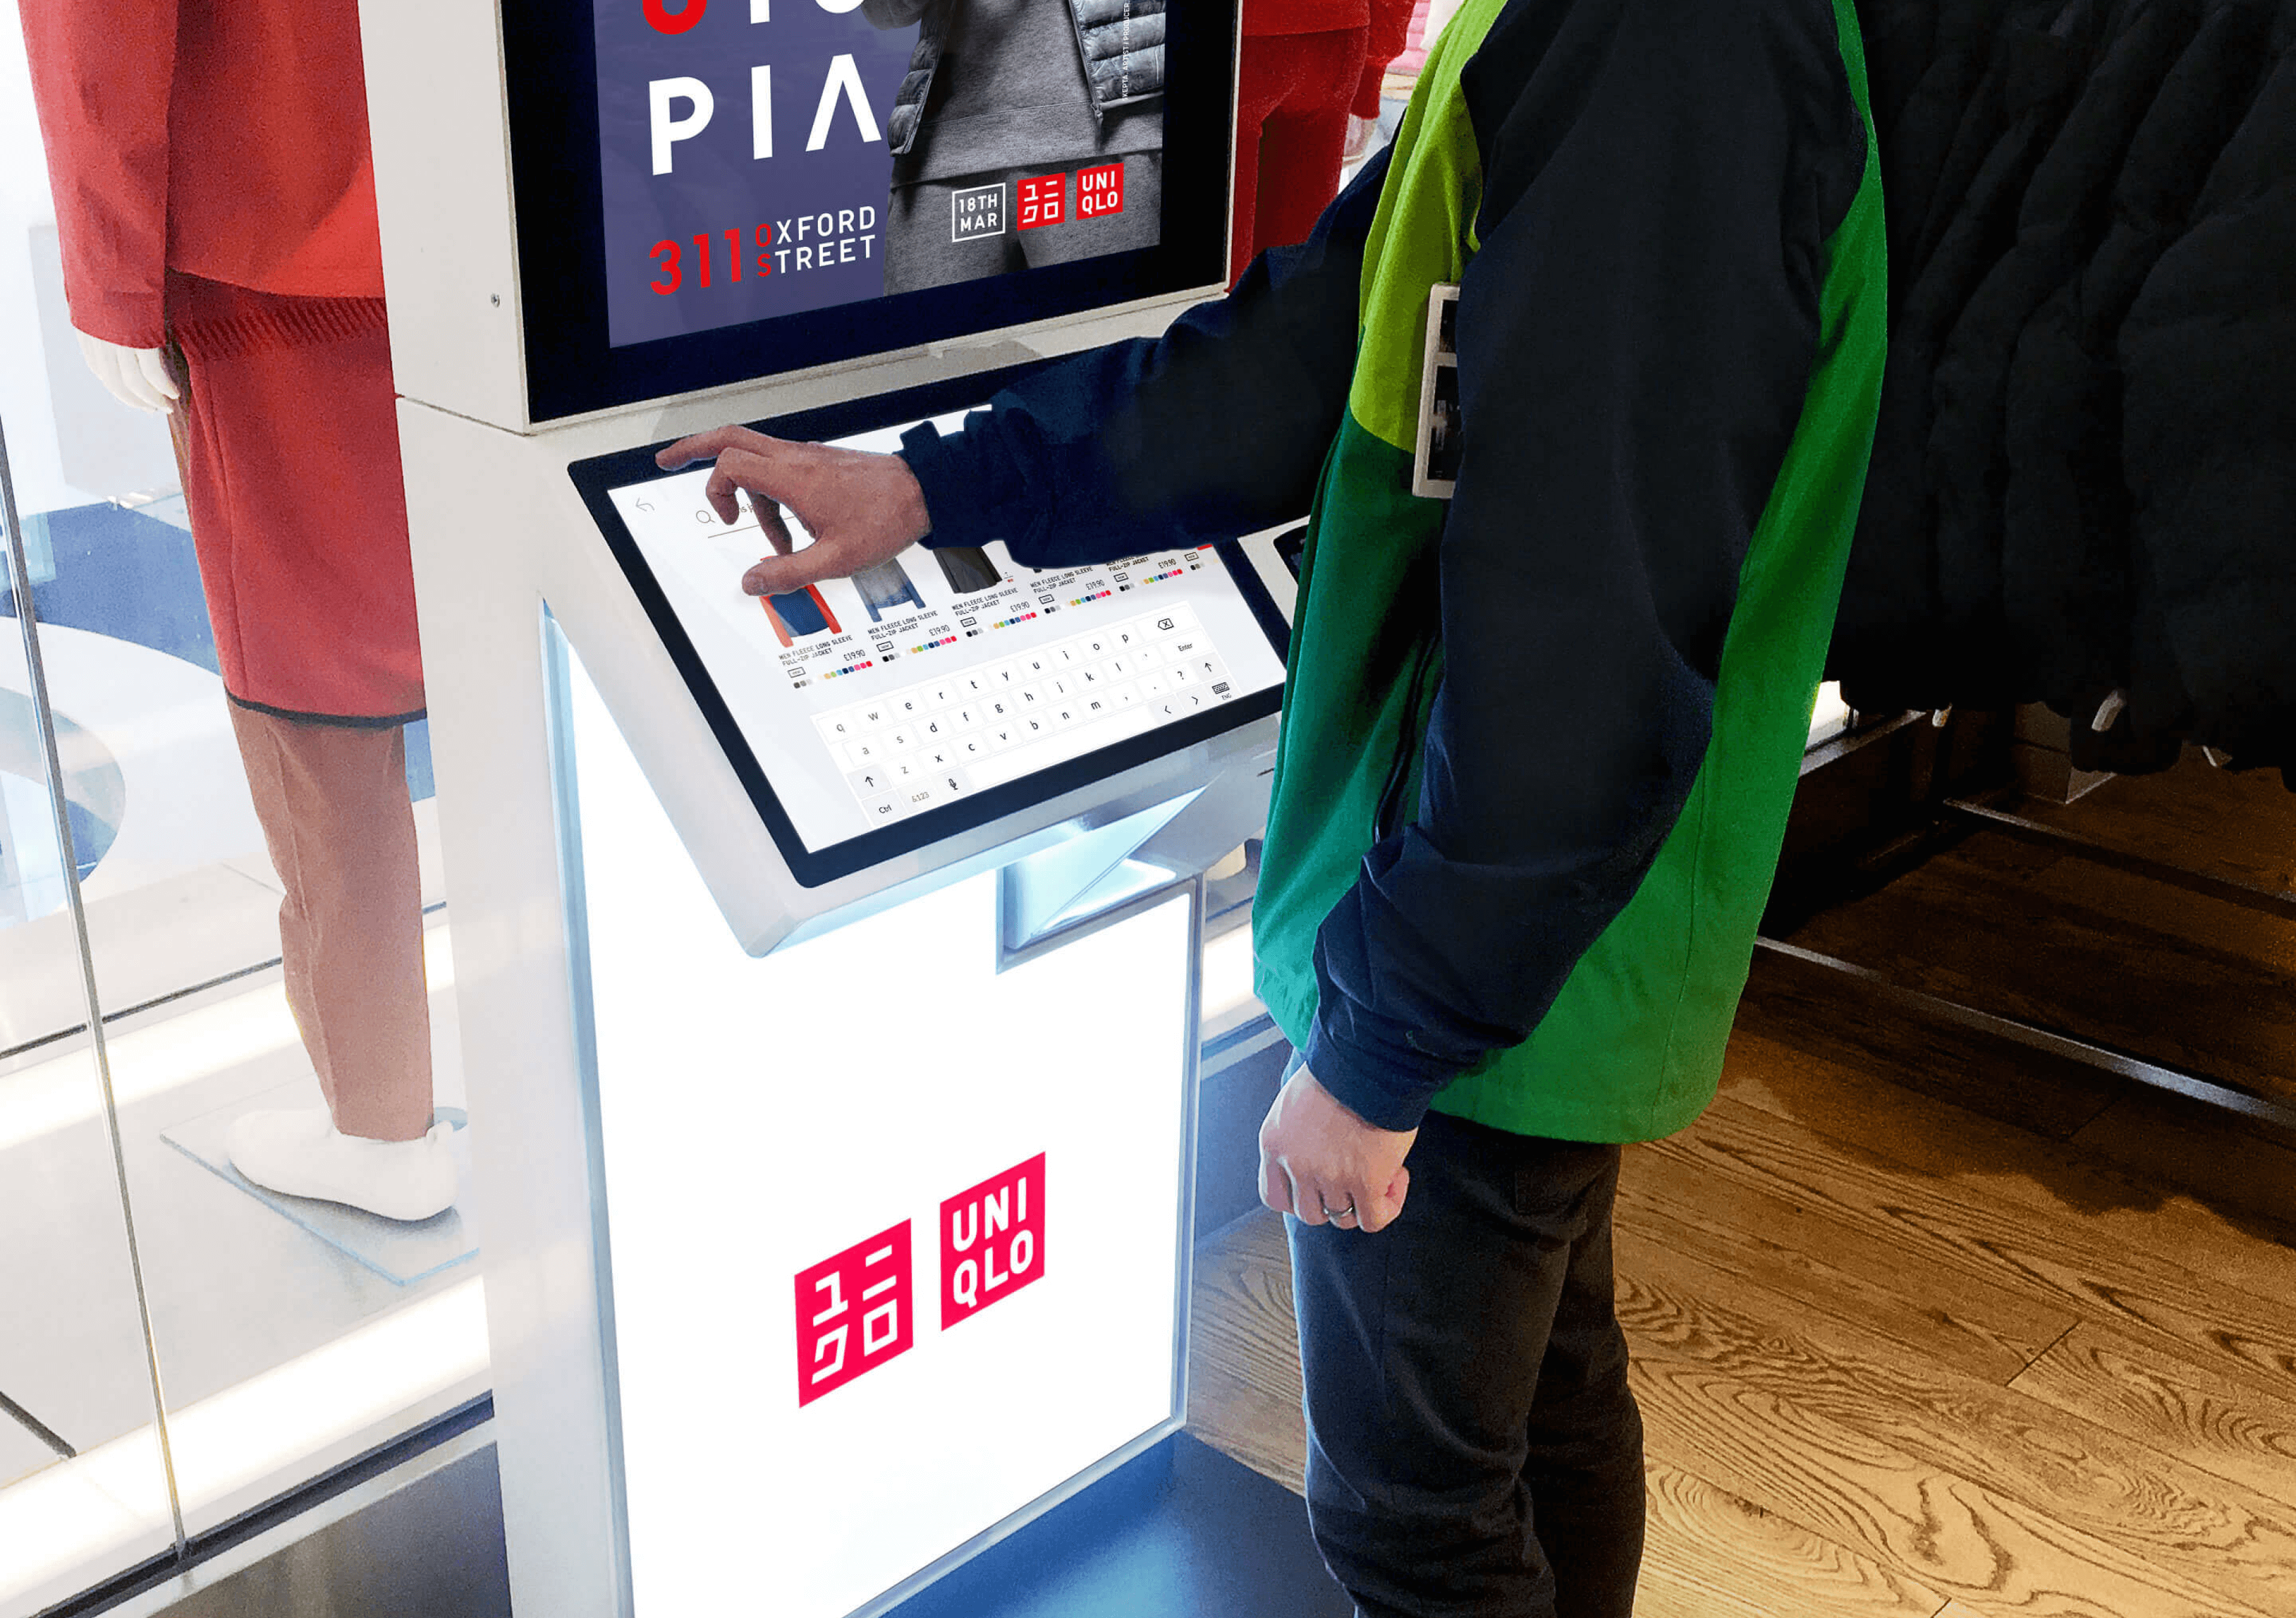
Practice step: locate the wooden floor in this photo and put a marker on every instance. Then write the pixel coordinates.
(1926, 1324)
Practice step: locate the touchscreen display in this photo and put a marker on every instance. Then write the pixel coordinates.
(921, 682)
(763, 158)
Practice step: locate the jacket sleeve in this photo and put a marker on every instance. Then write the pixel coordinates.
(1636, 337)
(101, 74)
(1216, 429)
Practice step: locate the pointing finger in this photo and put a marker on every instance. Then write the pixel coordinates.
(779, 575)
(769, 519)
(719, 492)
(705, 446)
(766, 480)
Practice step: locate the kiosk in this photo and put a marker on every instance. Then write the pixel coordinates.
(827, 963)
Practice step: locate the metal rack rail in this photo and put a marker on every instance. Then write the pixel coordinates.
(1947, 810)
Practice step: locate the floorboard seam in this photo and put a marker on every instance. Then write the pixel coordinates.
(2045, 1353)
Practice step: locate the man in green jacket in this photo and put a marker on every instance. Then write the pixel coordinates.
(1540, 738)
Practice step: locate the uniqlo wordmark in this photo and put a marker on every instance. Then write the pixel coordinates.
(853, 1312)
(1100, 191)
(1043, 200)
(992, 1241)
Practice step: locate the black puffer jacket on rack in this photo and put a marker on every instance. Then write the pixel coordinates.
(2084, 476)
(2209, 445)
(1906, 636)
(2066, 579)
(1899, 40)
(2061, 221)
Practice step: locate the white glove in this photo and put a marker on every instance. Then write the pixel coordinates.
(137, 377)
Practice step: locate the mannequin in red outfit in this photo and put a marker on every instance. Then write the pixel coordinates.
(215, 196)
(1307, 64)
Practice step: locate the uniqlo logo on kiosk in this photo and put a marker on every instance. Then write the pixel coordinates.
(1044, 200)
(1100, 191)
(855, 1312)
(992, 1241)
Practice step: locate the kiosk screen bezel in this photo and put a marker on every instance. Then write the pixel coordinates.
(597, 477)
(550, 65)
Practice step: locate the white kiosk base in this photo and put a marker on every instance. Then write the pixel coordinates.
(893, 1227)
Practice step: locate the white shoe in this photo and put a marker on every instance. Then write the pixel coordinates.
(301, 1154)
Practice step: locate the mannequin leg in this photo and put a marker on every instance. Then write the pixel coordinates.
(333, 802)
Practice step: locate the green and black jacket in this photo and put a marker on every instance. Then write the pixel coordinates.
(1539, 740)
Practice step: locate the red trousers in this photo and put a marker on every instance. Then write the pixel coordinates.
(290, 471)
(1293, 96)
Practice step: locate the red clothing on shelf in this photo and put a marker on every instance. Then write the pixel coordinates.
(213, 183)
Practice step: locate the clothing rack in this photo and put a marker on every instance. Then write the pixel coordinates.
(1944, 811)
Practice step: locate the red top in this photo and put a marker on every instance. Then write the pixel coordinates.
(223, 138)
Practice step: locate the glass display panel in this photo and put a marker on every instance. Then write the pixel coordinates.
(929, 694)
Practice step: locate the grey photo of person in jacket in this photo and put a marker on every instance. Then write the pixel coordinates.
(1003, 92)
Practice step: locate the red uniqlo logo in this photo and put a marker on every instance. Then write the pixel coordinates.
(1100, 191)
(1044, 200)
(853, 1312)
(992, 1241)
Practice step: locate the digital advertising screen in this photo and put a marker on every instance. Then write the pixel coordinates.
(941, 689)
(716, 190)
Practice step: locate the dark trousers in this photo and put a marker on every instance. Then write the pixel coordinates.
(1473, 1446)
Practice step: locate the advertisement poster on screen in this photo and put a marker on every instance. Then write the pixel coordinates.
(764, 158)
